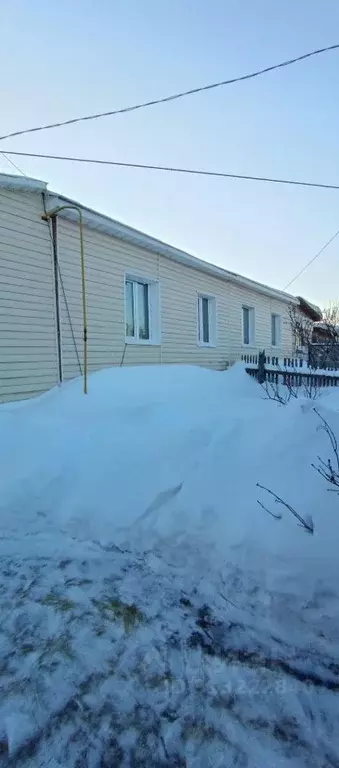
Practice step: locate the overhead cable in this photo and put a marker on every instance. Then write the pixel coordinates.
(175, 96)
(170, 169)
(312, 260)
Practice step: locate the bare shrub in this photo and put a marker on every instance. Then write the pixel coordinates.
(329, 469)
(306, 523)
(284, 388)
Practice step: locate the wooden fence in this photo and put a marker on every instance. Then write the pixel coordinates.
(290, 371)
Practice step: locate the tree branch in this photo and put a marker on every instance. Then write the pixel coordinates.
(307, 525)
(277, 517)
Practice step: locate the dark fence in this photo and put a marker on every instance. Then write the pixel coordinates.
(290, 371)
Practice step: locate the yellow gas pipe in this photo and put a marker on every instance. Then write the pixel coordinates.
(49, 215)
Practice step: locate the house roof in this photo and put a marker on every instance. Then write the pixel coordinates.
(103, 223)
(311, 310)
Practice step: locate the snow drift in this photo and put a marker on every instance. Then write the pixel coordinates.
(153, 613)
(160, 453)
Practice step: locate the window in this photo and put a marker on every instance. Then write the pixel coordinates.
(275, 330)
(248, 325)
(141, 311)
(206, 321)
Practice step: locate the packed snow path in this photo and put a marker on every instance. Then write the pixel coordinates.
(152, 614)
(115, 661)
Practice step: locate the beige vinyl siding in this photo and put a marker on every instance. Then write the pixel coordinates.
(28, 352)
(107, 260)
(264, 307)
(28, 343)
(180, 286)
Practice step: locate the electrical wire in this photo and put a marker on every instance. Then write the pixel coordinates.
(175, 96)
(13, 164)
(311, 260)
(193, 171)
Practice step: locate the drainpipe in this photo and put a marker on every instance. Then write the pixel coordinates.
(52, 215)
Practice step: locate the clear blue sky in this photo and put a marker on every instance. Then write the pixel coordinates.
(74, 57)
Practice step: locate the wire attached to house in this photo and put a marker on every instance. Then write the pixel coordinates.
(13, 164)
(69, 318)
(169, 169)
(175, 96)
(311, 260)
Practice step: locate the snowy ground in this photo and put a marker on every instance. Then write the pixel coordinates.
(152, 613)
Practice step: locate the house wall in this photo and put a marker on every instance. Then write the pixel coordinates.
(28, 339)
(107, 261)
(28, 351)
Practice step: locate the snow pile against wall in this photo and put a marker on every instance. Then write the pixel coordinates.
(163, 453)
(153, 613)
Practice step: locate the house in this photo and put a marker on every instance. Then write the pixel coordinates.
(324, 347)
(147, 302)
(309, 311)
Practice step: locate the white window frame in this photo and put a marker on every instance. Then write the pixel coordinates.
(277, 330)
(251, 341)
(212, 320)
(153, 309)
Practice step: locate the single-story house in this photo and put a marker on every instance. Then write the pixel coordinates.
(147, 302)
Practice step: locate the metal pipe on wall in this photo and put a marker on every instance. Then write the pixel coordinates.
(53, 214)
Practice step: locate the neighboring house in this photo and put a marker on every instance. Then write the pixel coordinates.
(324, 349)
(309, 311)
(325, 333)
(147, 302)
(303, 322)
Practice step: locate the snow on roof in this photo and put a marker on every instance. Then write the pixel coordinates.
(325, 326)
(21, 183)
(314, 311)
(103, 223)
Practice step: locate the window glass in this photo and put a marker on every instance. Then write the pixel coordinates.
(246, 324)
(143, 310)
(275, 328)
(205, 320)
(129, 309)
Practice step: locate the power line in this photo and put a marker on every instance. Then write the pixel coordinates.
(311, 261)
(13, 164)
(175, 96)
(192, 171)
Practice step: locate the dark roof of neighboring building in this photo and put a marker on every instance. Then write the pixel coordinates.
(311, 310)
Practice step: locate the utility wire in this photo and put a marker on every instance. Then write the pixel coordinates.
(193, 171)
(175, 96)
(13, 164)
(312, 260)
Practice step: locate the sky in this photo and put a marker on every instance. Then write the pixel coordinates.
(78, 57)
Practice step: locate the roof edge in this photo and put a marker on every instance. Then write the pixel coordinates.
(104, 223)
(314, 312)
(101, 222)
(21, 183)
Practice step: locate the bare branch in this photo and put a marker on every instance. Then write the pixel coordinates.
(324, 349)
(333, 440)
(272, 391)
(325, 468)
(302, 327)
(277, 517)
(283, 390)
(308, 525)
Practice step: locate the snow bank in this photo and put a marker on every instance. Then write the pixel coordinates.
(159, 453)
(152, 612)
